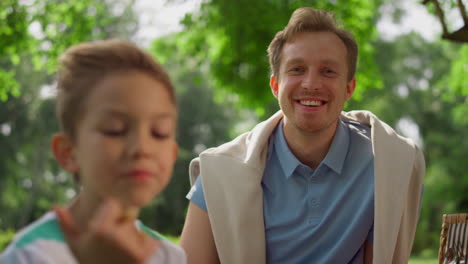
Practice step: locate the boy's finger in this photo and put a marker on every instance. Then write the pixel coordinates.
(129, 214)
(67, 224)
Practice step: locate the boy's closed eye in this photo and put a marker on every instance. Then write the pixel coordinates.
(163, 127)
(114, 132)
(113, 127)
(160, 134)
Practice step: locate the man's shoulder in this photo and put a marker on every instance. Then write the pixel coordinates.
(377, 127)
(248, 142)
(357, 128)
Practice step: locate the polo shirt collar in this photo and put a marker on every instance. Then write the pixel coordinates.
(336, 156)
(334, 159)
(287, 160)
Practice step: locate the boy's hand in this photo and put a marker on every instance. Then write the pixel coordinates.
(109, 238)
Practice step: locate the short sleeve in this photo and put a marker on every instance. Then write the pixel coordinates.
(196, 194)
(15, 255)
(11, 256)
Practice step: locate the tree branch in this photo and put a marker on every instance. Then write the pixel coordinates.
(462, 9)
(440, 14)
(460, 35)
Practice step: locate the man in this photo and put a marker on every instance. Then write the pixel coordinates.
(311, 184)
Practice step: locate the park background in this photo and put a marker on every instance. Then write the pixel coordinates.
(215, 51)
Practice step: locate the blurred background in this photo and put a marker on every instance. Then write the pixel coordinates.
(412, 73)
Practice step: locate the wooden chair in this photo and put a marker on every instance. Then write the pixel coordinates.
(454, 239)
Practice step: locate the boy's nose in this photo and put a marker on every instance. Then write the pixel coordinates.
(139, 144)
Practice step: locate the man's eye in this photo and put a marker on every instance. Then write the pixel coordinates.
(295, 70)
(329, 71)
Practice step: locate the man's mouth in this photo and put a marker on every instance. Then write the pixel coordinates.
(311, 103)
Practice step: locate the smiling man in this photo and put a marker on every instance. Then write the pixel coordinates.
(311, 184)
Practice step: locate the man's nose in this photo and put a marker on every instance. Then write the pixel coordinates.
(311, 80)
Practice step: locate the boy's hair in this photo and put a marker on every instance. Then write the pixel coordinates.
(307, 19)
(84, 65)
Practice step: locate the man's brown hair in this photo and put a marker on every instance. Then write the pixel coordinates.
(84, 65)
(307, 19)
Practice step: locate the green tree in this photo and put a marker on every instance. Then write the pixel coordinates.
(458, 86)
(417, 81)
(233, 35)
(41, 30)
(202, 123)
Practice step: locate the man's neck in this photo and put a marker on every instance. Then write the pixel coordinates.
(310, 148)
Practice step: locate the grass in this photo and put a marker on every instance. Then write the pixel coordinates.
(173, 239)
(413, 260)
(422, 260)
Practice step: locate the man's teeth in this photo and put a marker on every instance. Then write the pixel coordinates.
(310, 103)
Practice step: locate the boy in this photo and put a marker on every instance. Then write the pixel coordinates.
(117, 111)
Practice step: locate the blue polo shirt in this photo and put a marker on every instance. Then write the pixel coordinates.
(317, 216)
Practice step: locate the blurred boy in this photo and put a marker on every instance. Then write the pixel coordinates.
(117, 113)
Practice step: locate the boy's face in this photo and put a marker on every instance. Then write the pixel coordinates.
(312, 85)
(125, 146)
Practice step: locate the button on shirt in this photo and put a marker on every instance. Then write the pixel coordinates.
(316, 216)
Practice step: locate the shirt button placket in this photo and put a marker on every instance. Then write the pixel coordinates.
(313, 200)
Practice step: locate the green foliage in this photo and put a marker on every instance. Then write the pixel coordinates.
(13, 33)
(417, 84)
(458, 86)
(41, 30)
(230, 37)
(5, 238)
(457, 81)
(9, 83)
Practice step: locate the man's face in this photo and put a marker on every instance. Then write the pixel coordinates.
(312, 85)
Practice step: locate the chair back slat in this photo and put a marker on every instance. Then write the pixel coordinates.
(464, 244)
(454, 239)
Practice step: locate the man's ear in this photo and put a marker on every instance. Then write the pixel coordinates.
(62, 148)
(350, 86)
(274, 86)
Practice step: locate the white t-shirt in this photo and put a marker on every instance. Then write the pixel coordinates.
(43, 242)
